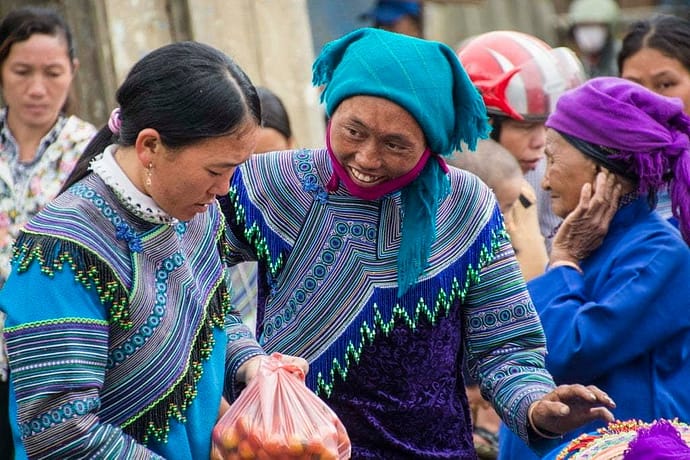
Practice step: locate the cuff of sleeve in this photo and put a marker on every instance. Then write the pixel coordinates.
(233, 388)
(521, 404)
(553, 285)
(532, 427)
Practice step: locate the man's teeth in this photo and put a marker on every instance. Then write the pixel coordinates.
(363, 177)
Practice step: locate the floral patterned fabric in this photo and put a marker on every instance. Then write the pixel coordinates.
(25, 188)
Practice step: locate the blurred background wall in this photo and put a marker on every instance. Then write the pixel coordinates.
(275, 41)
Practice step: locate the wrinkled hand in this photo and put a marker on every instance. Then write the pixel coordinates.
(583, 230)
(571, 406)
(249, 368)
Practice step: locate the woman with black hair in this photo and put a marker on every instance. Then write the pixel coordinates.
(656, 54)
(118, 316)
(40, 140)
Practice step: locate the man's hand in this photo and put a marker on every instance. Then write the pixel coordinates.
(569, 407)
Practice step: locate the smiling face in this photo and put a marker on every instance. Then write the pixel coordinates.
(660, 73)
(525, 141)
(184, 182)
(375, 140)
(36, 78)
(567, 170)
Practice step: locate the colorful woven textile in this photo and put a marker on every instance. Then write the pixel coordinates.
(629, 440)
(390, 367)
(117, 325)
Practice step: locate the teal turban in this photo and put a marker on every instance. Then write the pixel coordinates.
(426, 79)
(422, 76)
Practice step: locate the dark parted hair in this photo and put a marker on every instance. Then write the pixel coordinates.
(20, 24)
(665, 33)
(187, 91)
(273, 112)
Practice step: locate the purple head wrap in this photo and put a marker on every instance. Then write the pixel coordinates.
(634, 130)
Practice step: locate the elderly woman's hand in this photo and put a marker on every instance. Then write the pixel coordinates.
(583, 230)
(569, 407)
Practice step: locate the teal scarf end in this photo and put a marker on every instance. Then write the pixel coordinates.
(420, 201)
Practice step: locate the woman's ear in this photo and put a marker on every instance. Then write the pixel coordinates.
(147, 146)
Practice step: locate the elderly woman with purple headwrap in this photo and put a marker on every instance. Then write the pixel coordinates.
(615, 298)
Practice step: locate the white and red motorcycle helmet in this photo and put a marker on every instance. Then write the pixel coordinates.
(519, 75)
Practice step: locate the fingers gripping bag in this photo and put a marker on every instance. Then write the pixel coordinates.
(277, 417)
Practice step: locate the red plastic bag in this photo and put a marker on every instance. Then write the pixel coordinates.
(277, 417)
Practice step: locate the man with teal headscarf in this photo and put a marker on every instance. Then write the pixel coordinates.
(386, 269)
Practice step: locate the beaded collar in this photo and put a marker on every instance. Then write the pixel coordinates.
(628, 198)
(140, 204)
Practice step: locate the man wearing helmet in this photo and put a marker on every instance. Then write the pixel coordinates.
(592, 25)
(520, 78)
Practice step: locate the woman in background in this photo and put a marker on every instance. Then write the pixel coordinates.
(275, 132)
(613, 301)
(656, 54)
(39, 142)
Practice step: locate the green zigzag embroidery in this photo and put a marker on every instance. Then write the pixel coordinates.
(176, 409)
(253, 235)
(109, 292)
(31, 250)
(441, 308)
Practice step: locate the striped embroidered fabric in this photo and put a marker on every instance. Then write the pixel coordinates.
(156, 349)
(334, 284)
(67, 357)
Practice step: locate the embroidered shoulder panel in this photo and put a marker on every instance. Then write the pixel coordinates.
(338, 259)
(163, 285)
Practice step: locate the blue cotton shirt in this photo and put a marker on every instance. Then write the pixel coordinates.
(623, 325)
